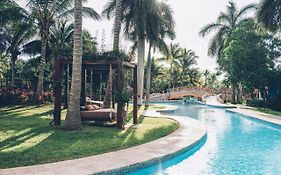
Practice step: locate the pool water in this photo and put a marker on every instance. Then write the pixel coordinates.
(235, 145)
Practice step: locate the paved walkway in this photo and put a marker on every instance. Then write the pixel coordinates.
(190, 132)
(259, 115)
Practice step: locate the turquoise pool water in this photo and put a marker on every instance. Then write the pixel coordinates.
(235, 145)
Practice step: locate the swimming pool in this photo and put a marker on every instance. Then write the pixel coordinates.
(235, 145)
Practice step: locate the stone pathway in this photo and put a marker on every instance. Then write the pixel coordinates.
(190, 133)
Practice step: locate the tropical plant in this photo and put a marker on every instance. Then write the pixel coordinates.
(269, 14)
(73, 120)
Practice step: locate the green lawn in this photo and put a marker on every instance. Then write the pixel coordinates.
(26, 138)
(269, 111)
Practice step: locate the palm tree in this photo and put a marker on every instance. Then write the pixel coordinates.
(269, 13)
(19, 34)
(61, 38)
(172, 57)
(44, 14)
(194, 76)
(135, 19)
(161, 25)
(186, 62)
(117, 25)
(73, 120)
(206, 74)
(10, 11)
(226, 23)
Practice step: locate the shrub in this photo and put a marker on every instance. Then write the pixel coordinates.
(16, 96)
(256, 103)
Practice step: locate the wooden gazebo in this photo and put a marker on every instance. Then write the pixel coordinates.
(102, 64)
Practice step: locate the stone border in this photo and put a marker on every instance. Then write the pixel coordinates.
(272, 119)
(189, 134)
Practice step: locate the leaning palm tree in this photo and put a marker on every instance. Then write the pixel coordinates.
(45, 14)
(269, 14)
(73, 120)
(226, 23)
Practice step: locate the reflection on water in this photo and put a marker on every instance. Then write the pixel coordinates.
(235, 145)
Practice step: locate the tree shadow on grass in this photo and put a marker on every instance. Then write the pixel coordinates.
(26, 146)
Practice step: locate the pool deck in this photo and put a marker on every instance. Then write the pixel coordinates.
(258, 115)
(190, 133)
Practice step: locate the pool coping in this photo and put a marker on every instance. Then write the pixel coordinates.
(190, 133)
(273, 119)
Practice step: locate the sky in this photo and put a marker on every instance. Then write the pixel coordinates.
(190, 16)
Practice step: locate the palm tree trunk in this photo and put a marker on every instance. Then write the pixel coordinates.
(13, 67)
(39, 91)
(141, 51)
(148, 75)
(73, 120)
(117, 25)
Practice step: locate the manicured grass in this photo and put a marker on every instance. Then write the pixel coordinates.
(26, 138)
(269, 111)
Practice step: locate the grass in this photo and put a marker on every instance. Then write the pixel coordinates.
(269, 111)
(26, 138)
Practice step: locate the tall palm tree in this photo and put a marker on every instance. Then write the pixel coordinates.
(73, 120)
(44, 14)
(19, 34)
(269, 13)
(117, 25)
(134, 17)
(161, 26)
(226, 23)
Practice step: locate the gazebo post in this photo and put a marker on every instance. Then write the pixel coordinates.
(57, 93)
(135, 100)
